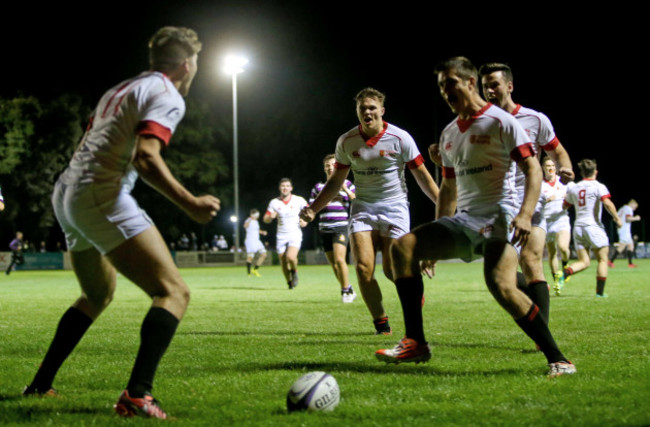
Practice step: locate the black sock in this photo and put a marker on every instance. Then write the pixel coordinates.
(538, 293)
(564, 263)
(72, 327)
(248, 267)
(534, 326)
(629, 256)
(614, 255)
(256, 267)
(600, 285)
(521, 282)
(410, 291)
(157, 331)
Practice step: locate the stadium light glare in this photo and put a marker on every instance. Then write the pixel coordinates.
(235, 65)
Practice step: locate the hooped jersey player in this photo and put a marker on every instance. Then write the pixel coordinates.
(378, 162)
(336, 214)
(481, 154)
(148, 105)
(554, 192)
(587, 197)
(288, 213)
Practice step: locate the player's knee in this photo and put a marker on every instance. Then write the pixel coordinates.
(99, 298)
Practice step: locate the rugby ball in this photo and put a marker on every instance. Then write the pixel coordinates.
(314, 391)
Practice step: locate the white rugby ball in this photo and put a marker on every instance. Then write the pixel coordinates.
(314, 391)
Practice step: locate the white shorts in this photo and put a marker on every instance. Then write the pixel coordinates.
(254, 247)
(589, 236)
(97, 216)
(391, 219)
(625, 238)
(472, 231)
(560, 224)
(283, 241)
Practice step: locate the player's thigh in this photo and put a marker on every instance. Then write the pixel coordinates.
(433, 241)
(500, 261)
(534, 247)
(145, 260)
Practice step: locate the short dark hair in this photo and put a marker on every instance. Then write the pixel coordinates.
(463, 67)
(370, 93)
(329, 157)
(587, 167)
(283, 180)
(170, 46)
(493, 67)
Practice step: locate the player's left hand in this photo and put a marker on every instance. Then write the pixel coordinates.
(428, 268)
(566, 175)
(521, 227)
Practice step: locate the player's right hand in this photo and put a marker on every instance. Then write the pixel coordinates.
(204, 209)
(307, 214)
(434, 154)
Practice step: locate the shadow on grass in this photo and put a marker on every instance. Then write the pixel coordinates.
(379, 368)
(276, 334)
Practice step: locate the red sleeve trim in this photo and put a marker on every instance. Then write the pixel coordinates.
(338, 165)
(551, 145)
(606, 196)
(566, 204)
(415, 162)
(149, 128)
(448, 172)
(521, 152)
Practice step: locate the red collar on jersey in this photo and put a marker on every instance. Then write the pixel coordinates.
(287, 201)
(516, 110)
(372, 141)
(463, 125)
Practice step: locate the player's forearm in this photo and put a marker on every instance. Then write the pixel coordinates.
(329, 191)
(533, 184)
(154, 171)
(426, 183)
(611, 209)
(447, 198)
(561, 157)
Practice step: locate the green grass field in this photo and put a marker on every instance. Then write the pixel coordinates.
(245, 340)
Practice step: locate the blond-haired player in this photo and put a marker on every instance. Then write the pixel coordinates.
(106, 230)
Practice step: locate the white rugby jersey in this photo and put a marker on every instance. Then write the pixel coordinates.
(252, 231)
(336, 213)
(288, 213)
(553, 193)
(481, 154)
(378, 162)
(587, 198)
(626, 229)
(540, 132)
(147, 104)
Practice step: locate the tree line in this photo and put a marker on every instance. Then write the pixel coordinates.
(38, 137)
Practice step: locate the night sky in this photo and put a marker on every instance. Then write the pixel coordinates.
(308, 59)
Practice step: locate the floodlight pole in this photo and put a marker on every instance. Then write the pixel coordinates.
(235, 161)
